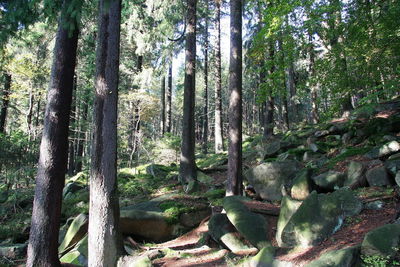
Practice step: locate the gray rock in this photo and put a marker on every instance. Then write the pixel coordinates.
(268, 178)
(329, 180)
(288, 208)
(394, 156)
(321, 133)
(318, 217)
(397, 178)
(272, 149)
(347, 257)
(222, 230)
(252, 226)
(347, 137)
(378, 176)
(355, 175)
(375, 205)
(314, 148)
(385, 150)
(381, 241)
(13, 251)
(392, 166)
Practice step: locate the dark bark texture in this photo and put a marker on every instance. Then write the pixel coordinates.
(5, 101)
(205, 109)
(187, 169)
(168, 108)
(104, 240)
(235, 177)
(163, 105)
(43, 240)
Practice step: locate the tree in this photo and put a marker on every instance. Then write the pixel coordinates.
(43, 240)
(188, 167)
(104, 241)
(5, 101)
(168, 108)
(218, 130)
(163, 105)
(235, 179)
(205, 109)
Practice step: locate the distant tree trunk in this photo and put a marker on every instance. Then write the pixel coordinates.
(313, 88)
(235, 178)
(104, 241)
(5, 101)
(168, 109)
(82, 135)
(270, 101)
(218, 130)
(163, 105)
(205, 110)
(43, 238)
(72, 136)
(30, 113)
(291, 87)
(187, 169)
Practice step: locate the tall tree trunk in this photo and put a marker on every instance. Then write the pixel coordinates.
(311, 69)
(235, 177)
(291, 88)
(163, 105)
(205, 110)
(5, 101)
(270, 101)
(104, 241)
(43, 238)
(82, 135)
(72, 136)
(187, 169)
(218, 130)
(168, 109)
(30, 113)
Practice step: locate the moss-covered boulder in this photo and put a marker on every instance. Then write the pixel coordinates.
(251, 225)
(347, 257)
(265, 257)
(268, 178)
(76, 231)
(222, 231)
(329, 180)
(393, 166)
(301, 187)
(355, 177)
(318, 217)
(78, 255)
(288, 208)
(382, 241)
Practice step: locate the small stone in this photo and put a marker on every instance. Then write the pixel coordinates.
(347, 137)
(355, 175)
(329, 180)
(375, 205)
(313, 147)
(385, 150)
(321, 133)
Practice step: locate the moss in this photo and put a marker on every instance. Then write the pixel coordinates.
(349, 152)
(215, 194)
(173, 209)
(212, 160)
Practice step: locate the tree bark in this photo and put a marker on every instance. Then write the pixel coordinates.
(187, 169)
(270, 101)
(72, 136)
(205, 110)
(235, 177)
(82, 136)
(43, 239)
(313, 88)
(168, 109)
(104, 241)
(218, 129)
(5, 101)
(163, 105)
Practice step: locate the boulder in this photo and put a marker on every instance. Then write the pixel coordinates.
(378, 176)
(192, 219)
(394, 156)
(78, 255)
(13, 252)
(265, 258)
(397, 178)
(392, 166)
(385, 150)
(268, 178)
(329, 180)
(272, 149)
(347, 257)
(288, 208)
(134, 261)
(301, 187)
(318, 217)
(221, 230)
(381, 241)
(322, 133)
(355, 177)
(252, 226)
(346, 137)
(76, 231)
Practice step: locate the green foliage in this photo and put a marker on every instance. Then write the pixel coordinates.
(348, 152)
(381, 261)
(173, 209)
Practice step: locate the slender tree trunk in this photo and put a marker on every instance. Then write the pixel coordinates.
(168, 109)
(205, 110)
(235, 178)
(313, 88)
(5, 101)
(30, 113)
(82, 137)
(104, 241)
(43, 238)
(218, 128)
(291, 88)
(187, 169)
(270, 101)
(72, 136)
(163, 105)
